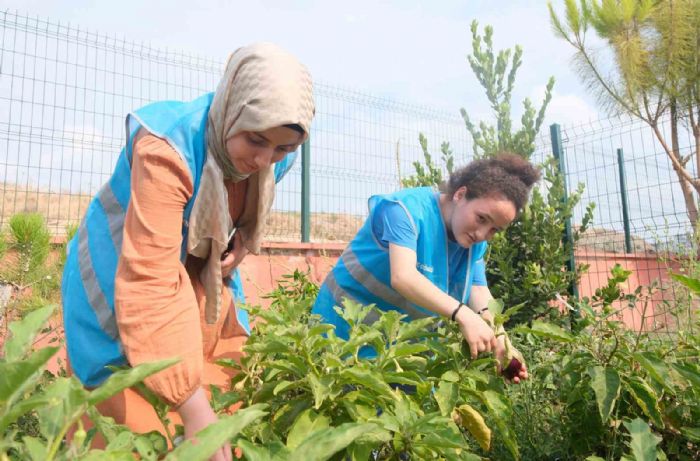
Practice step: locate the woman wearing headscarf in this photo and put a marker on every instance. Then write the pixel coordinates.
(150, 272)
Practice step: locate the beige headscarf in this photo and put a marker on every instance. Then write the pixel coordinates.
(263, 87)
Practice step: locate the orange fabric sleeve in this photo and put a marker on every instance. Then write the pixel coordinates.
(156, 307)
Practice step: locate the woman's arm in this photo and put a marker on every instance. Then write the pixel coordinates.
(155, 305)
(156, 308)
(416, 288)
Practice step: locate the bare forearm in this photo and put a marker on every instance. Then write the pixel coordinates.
(479, 298)
(417, 289)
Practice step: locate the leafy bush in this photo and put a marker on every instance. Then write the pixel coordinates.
(420, 398)
(431, 175)
(525, 261)
(608, 391)
(27, 267)
(37, 409)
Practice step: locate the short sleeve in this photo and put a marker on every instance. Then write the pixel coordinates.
(392, 224)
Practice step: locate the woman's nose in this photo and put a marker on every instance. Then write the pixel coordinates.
(264, 158)
(484, 234)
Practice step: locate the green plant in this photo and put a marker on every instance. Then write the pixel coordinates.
(421, 397)
(680, 317)
(525, 261)
(433, 176)
(71, 230)
(596, 384)
(492, 72)
(34, 277)
(37, 409)
(3, 244)
(29, 239)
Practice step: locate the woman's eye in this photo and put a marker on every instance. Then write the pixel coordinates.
(256, 141)
(279, 154)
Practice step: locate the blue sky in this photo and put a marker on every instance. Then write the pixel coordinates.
(407, 50)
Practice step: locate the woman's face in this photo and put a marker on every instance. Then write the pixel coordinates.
(473, 221)
(251, 151)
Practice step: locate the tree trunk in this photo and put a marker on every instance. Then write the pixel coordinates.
(696, 135)
(688, 196)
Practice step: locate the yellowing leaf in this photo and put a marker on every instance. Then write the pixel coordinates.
(467, 417)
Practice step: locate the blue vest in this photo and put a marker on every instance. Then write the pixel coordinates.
(363, 273)
(92, 336)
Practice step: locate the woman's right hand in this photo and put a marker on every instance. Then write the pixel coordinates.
(196, 414)
(479, 335)
(231, 259)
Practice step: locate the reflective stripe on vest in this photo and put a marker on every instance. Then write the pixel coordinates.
(98, 301)
(339, 294)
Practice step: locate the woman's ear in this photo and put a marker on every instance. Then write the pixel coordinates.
(459, 194)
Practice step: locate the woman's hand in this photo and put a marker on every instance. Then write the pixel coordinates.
(478, 334)
(196, 414)
(233, 258)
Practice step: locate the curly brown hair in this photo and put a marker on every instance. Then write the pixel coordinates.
(505, 174)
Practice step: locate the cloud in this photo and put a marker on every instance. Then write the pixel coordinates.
(566, 109)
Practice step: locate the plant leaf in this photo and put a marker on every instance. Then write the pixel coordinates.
(656, 368)
(547, 330)
(15, 376)
(605, 383)
(691, 433)
(466, 416)
(643, 442)
(271, 451)
(323, 444)
(24, 331)
(369, 379)
(306, 424)
(446, 396)
(647, 399)
(320, 389)
(691, 283)
(215, 435)
(122, 379)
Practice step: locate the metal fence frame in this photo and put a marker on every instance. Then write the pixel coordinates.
(65, 90)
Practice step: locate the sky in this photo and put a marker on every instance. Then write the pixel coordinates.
(412, 51)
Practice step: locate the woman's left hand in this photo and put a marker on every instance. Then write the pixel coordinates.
(234, 257)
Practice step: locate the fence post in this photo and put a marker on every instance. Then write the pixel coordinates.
(305, 191)
(625, 205)
(558, 150)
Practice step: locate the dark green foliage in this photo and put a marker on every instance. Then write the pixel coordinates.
(526, 260)
(399, 405)
(588, 389)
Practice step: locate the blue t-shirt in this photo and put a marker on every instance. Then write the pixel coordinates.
(391, 223)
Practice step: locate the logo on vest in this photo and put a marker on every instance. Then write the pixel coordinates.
(425, 268)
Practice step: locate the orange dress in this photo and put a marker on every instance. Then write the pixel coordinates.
(159, 302)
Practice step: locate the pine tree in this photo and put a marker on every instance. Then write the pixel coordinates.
(653, 71)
